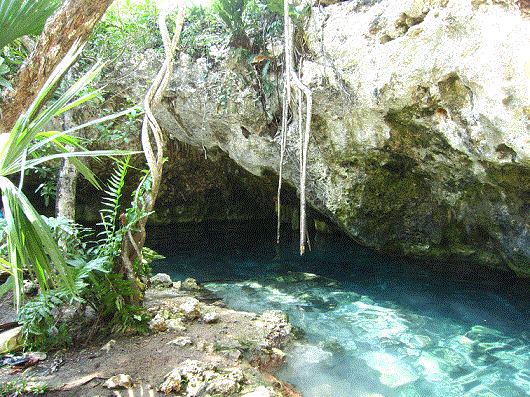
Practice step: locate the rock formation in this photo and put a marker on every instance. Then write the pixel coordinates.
(420, 124)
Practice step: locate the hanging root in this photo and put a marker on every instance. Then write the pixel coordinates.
(153, 142)
(290, 75)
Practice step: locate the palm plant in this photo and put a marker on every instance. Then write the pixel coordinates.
(231, 14)
(22, 17)
(31, 246)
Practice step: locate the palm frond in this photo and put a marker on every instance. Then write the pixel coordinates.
(21, 17)
(30, 243)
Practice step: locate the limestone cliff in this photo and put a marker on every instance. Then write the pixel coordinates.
(420, 127)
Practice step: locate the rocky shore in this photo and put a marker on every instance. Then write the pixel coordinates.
(196, 347)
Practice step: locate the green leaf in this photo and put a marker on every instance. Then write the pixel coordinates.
(22, 17)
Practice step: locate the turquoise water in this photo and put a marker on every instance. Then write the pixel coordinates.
(375, 326)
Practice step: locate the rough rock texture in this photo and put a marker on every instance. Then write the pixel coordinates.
(420, 124)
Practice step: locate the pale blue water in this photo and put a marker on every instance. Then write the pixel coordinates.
(375, 326)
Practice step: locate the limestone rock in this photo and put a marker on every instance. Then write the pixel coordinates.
(120, 381)
(181, 341)
(109, 345)
(171, 382)
(175, 324)
(261, 391)
(190, 284)
(158, 324)
(210, 318)
(279, 329)
(190, 308)
(161, 280)
(420, 124)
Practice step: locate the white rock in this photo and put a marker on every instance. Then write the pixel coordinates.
(158, 324)
(261, 391)
(175, 324)
(181, 341)
(211, 317)
(190, 308)
(120, 381)
(161, 280)
(109, 345)
(172, 383)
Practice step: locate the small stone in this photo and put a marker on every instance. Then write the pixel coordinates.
(211, 318)
(190, 308)
(192, 368)
(107, 346)
(29, 287)
(175, 324)
(233, 354)
(261, 391)
(39, 356)
(181, 341)
(161, 280)
(171, 382)
(193, 389)
(177, 285)
(190, 284)
(121, 381)
(158, 324)
(223, 386)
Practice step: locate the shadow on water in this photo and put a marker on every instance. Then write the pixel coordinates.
(236, 251)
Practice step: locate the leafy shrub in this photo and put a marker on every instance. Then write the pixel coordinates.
(93, 269)
(127, 26)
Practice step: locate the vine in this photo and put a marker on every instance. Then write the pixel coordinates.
(153, 144)
(293, 81)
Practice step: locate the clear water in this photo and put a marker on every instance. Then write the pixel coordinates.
(375, 326)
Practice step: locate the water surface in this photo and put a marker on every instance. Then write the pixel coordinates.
(375, 326)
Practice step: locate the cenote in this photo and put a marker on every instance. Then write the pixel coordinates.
(374, 326)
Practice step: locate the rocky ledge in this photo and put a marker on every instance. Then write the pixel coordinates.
(194, 349)
(419, 132)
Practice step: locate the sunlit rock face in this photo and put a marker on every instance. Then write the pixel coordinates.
(419, 127)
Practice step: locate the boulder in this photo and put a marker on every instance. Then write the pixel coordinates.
(171, 382)
(190, 308)
(162, 280)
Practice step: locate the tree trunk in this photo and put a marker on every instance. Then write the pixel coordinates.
(66, 188)
(67, 181)
(73, 21)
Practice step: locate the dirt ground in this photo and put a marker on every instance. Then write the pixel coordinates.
(234, 339)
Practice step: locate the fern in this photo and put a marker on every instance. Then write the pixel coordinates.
(107, 293)
(111, 199)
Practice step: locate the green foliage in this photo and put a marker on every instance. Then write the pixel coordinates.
(230, 12)
(23, 17)
(275, 6)
(122, 128)
(40, 320)
(30, 244)
(262, 24)
(92, 265)
(4, 70)
(201, 31)
(22, 387)
(128, 26)
(223, 93)
(48, 188)
(110, 294)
